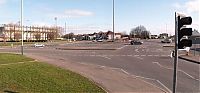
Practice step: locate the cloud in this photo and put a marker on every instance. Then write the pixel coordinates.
(191, 6)
(73, 13)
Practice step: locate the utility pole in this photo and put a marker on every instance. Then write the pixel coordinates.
(21, 24)
(113, 20)
(56, 26)
(65, 28)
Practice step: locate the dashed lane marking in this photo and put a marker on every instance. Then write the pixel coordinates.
(106, 57)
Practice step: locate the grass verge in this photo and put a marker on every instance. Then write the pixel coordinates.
(40, 77)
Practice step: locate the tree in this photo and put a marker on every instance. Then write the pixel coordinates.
(17, 36)
(50, 36)
(140, 32)
(69, 36)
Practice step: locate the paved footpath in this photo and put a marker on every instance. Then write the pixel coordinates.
(110, 79)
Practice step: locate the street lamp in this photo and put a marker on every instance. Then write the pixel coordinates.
(113, 20)
(56, 25)
(21, 25)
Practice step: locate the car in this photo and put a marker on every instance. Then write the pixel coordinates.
(100, 40)
(39, 45)
(166, 41)
(136, 42)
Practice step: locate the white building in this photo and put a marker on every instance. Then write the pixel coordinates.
(14, 33)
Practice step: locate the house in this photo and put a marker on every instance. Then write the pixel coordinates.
(116, 36)
(92, 36)
(163, 35)
(195, 37)
(154, 36)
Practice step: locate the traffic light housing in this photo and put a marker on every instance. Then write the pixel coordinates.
(183, 31)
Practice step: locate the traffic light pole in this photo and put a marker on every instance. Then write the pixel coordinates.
(175, 54)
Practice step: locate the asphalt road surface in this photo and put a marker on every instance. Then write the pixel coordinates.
(149, 61)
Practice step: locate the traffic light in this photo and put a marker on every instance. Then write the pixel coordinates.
(183, 31)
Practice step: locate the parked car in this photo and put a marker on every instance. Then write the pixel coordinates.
(39, 45)
(166, 41)
(136, 42)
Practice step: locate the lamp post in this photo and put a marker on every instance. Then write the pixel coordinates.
(21, 25)
(113, 20)
(56, 26)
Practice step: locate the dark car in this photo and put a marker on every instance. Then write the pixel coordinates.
(136, 42)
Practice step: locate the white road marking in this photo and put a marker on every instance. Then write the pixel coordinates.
(156, 55)
(164, 86)
(139, 58)
(113, 68)
(123, 47)
(178, 70)
(129, 55)
(125, 71)
(106, 57)
(136, 55)
(136, 50)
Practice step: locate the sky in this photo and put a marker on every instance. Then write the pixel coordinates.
(88, 16)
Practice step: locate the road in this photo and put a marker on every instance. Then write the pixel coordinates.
(150, 61)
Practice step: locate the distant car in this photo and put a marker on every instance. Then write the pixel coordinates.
(100, 40)
(166, 41)
(136, 42)
(39, 45)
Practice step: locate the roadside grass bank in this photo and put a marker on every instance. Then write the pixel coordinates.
(25, 75)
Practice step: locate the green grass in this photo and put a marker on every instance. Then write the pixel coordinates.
(40, 77)
(14, 43)
(6, 58)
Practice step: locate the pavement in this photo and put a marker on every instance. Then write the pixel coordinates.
(112, 80)
(190, 58)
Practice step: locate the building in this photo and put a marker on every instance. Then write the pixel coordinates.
(154, 36)
(163, 35)
(116, 36)
(195, 37)
(13, 32)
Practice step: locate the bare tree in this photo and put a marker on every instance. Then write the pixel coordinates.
(140, 32)
(50, 36)
(17, 36)
(69, 36)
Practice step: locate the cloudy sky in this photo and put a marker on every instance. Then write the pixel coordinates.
(87, 16)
